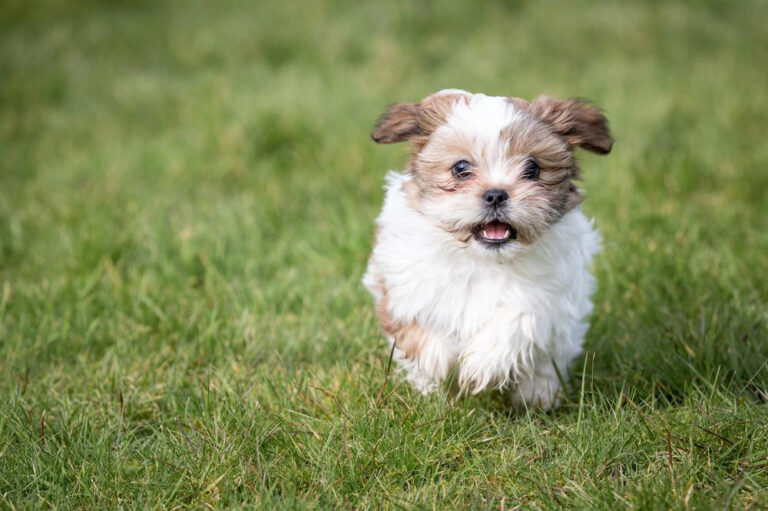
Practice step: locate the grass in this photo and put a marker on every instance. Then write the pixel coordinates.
(187, 195)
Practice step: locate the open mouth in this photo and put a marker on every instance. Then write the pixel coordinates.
(495, 233)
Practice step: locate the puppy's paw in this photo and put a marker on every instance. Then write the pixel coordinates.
(423, 384)
(538, 392)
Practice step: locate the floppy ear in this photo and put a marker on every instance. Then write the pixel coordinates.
(400, 122)
(578, 122)
(415, 122)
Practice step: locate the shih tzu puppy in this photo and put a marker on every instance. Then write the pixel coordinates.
(481, 255)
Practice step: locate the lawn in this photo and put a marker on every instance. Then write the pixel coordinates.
(187, 196)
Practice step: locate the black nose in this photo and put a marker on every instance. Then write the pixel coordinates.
(495, 198)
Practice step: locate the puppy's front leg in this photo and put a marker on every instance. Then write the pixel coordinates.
(496, 354)
(541, 389)
(426, 357)
(515, 349)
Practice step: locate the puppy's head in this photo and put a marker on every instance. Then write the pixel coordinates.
(495, 172)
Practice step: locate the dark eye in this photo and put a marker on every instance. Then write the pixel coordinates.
(531, 170)
(461, 169)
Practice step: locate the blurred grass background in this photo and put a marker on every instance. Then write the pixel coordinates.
(187, 195)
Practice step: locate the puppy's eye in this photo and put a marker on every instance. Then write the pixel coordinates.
(462, 169)
(531, 169)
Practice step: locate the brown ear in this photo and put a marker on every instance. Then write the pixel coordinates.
(415, 122)
(578, 122)
(400, 122)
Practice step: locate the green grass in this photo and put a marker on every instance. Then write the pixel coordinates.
(187, 195)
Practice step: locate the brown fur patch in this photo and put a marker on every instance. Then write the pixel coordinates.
(414, 122)
(434, 162)
(398, 123)
(558, 166)
(578, 122)
(409, 338)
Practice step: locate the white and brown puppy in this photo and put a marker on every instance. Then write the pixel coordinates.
(481, 257)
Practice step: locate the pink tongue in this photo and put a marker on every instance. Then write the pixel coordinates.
(496, 231)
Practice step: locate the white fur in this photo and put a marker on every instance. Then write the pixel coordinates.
(483, 118)
(517, 318)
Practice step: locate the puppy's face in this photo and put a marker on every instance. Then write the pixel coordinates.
(495, 172)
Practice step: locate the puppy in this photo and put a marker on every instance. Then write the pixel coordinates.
(481, 255)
